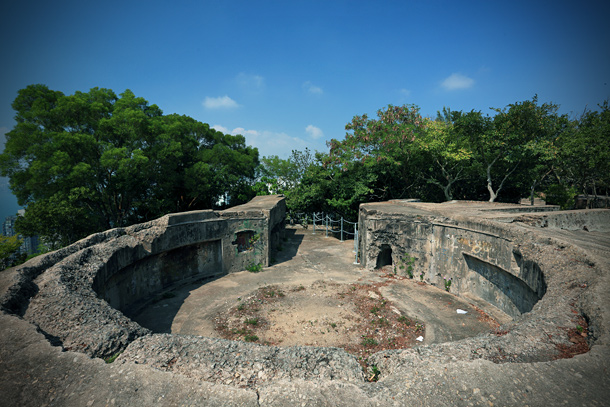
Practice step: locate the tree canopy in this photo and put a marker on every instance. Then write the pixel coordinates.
(93, 160)
(523, 149)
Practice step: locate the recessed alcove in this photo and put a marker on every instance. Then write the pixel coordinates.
(384, 258)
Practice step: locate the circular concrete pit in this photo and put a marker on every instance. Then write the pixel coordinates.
(59, 305)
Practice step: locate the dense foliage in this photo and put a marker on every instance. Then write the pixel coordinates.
(9, 247)
(91, 161)
(523, 150)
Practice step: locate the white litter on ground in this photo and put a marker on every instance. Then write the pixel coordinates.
(461, 311)
(419, 338)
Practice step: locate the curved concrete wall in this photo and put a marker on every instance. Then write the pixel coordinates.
(77, 292)
(50, 301)
(481, 259)
(198, 245)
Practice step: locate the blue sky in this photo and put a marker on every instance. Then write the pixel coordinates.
(290, 74)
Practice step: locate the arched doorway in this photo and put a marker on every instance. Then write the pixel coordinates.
(384, 258)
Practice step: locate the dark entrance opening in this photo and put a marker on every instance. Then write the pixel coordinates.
(384, 258)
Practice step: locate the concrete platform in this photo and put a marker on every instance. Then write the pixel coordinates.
(508, 368)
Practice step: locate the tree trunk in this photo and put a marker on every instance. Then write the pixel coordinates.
(492, 193)
(447, 191)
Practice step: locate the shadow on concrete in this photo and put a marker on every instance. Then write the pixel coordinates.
(288, 247)
(159, 313)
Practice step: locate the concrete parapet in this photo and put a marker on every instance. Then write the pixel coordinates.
(549, 270)
(79, 295)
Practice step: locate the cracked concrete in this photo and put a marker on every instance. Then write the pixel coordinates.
(514, 368)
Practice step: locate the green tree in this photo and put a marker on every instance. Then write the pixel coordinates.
(9, 246)
(584, 151)
(518, 140)
(529, 130)
(386, 148)
(447, 154)
(280, 176)
(92, 161)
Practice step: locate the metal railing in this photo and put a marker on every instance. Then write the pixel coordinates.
(322, 221)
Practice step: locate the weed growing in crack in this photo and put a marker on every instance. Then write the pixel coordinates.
(112, 358)
(375, 372)
(407, 263)
(255, 268)
(447, 283)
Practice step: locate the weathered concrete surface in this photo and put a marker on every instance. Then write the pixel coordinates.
(576, 271)
(75, 295)
(311, 260)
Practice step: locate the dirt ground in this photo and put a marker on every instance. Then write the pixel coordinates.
(315, 295)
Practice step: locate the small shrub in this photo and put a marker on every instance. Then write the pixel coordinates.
(250, 338)
(251, 321)
(369, 342)
(404, 320)
(255, 268)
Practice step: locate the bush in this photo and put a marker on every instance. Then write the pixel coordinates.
(564, 196)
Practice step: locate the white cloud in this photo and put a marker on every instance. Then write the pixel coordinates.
(268, 142)
(244, 132)
(223, 102)
(311, 88)
(314, 132)
(250, 82)
(457, 81)
(220, 128)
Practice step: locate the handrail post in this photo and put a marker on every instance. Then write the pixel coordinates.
(342, 228)
(326, 225)
(314, 223)
(355, 239)
(356, 245)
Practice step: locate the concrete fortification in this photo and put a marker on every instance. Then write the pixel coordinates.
(66, 311)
